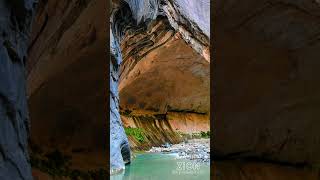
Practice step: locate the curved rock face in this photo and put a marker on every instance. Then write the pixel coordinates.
(161, 75)
(118, 139)
(66, 82)
(151, 60)
(147, 37)
(267, 95)
(15, 22)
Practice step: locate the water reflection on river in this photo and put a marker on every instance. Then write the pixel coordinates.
(158, 166)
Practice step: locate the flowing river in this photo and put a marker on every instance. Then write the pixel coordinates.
(161, 166)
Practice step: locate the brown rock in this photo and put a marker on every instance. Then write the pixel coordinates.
(230, 170)
(266, 80)
(66, 80)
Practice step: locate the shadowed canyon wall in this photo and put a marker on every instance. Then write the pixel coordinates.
(15, 25)
(266, 89)
(66, 76)
(244, 170)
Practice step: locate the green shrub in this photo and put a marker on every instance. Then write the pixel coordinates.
(205, 134)
(137, 133)
(202, 134)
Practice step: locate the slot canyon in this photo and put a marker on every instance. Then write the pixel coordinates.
(264, 85)
(160, 75)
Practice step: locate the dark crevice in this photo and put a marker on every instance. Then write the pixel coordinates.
(20, 13)
(125, 152)
(13, 55)
(2, 153)
(39, 33)
(170, 109)
(9, 106)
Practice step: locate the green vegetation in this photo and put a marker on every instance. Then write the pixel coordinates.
(202, 134)
(57, 165)
(205, 134)
(137, 133)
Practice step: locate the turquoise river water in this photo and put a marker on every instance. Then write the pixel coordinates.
(159, 166)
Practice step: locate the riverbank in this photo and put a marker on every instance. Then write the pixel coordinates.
(195, 149)
(189, 160)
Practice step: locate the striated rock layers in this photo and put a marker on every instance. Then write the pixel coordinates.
(158, 80)
(160, 71)
(15, 25)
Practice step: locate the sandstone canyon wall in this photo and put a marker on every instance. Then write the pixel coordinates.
(266, 83)
(266, 89)
(15, 26)
(266, 80)
(153, 41)
(158, 79)
(66, 75)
